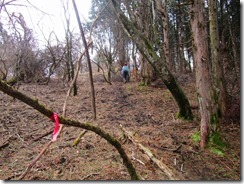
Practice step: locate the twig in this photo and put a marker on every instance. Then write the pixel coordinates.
(13, 176)
(35, 160)
(181, 167)
(175, 161)
(170, 149)
(225, 164)
(92, 174)
(20, 137)
(133, 158)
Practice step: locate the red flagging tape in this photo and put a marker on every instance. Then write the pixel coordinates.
(55, 118)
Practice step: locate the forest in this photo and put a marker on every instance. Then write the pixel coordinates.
(67, 114)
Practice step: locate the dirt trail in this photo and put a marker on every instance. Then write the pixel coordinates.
(146, 111)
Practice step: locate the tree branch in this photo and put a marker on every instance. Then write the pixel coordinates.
(88, 126)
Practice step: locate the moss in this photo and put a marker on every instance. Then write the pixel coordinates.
(216, 95)
(216, 139)
(129, 87)
(196, 137)
(142, 83)
(216, 144)
(214, 119)
(217, 151)
(178, 116)
(142, 88)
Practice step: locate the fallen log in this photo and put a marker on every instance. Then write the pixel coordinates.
(163, 167)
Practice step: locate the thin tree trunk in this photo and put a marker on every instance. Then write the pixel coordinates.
(234, 46)
(93, 101)
(162, 8)
(220, 97)
(134, 62)
(167, 36)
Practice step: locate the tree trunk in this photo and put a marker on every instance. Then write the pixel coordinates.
(146, 49)
(147, 23)
(93, 102)
(203, 80)
(162, 7)
(220, 97)
(109, 71)
(134, 63)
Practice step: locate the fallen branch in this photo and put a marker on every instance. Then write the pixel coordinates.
(175, 150)
(133, 158)
(78, 139)
(149, 153)
(88, 126)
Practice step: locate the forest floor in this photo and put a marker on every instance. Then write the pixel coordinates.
(148, 112)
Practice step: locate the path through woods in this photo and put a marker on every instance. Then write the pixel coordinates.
(148, 112)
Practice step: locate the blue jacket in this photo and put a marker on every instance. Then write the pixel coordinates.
(125, 68)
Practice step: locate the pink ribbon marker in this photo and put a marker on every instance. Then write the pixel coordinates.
(55, 118)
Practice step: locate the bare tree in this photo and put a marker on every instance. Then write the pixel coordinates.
(106, 52)
(24, 64)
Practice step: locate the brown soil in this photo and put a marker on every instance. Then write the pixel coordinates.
(148, 112)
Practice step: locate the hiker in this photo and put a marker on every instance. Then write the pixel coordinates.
(125, 73)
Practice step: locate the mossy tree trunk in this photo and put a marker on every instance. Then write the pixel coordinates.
(203, 79)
